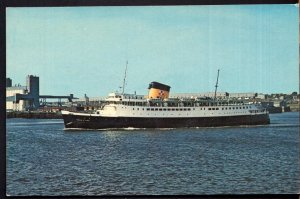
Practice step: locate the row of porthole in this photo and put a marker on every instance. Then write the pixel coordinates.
(223, 113)
(164, 109)
(179, 109)
(229, 108)
(186, 109)
(233, 112)
(164, 114)
(203, 114)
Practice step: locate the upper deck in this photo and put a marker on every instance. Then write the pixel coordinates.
(142, 100)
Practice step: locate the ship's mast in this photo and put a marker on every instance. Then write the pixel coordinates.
(216, 86)
(124, 80)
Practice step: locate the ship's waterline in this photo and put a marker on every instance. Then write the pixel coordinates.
(90, 122)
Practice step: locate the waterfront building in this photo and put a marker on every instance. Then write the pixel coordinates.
(11, 93)
(21, 98)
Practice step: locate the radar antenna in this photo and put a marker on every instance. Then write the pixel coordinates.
(124, 80)
(216, 86)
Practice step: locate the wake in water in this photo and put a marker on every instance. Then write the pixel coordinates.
(113, 129)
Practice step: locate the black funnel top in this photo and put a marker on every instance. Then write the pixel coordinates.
(160, 86)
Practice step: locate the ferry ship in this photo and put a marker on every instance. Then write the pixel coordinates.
(158, 110)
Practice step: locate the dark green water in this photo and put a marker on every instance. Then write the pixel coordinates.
(44, 159)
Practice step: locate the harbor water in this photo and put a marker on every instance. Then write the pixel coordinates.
(44, 159)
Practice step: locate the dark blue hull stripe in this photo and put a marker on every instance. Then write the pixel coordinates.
(90, 122)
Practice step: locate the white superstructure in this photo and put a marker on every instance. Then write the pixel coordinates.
(130, 105)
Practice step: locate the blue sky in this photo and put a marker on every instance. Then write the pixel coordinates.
(84, 49)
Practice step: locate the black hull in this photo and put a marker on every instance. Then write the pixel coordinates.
(92, 122)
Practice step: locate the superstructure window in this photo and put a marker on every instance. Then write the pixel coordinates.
(160, 109)
(152, 109)
(217, 108)
(156, 109)
(209, 109)
(148, 109)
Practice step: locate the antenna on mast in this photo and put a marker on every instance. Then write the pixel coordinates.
(123, 88)
(216, 86)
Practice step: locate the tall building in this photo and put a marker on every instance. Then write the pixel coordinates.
(8, 82)
(33, 86)
(21, 98)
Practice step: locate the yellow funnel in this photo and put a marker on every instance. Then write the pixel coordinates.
(158, 91)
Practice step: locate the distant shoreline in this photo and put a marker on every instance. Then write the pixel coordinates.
(34, 115)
